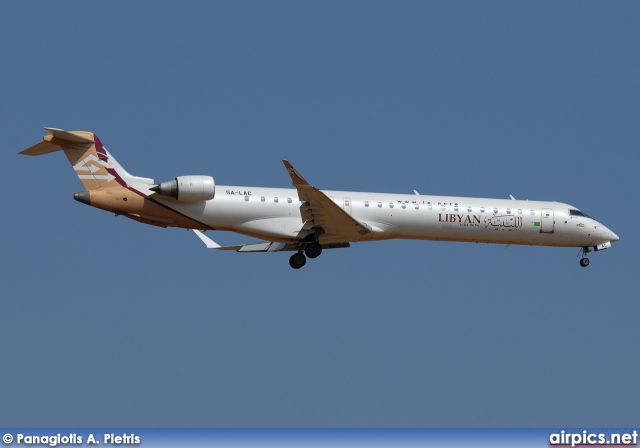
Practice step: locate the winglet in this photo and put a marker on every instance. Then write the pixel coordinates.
(296, 177)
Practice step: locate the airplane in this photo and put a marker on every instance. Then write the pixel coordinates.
(307, 220)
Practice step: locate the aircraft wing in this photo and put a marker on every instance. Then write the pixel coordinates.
(263, 246)
(320, 212)
(266, 246)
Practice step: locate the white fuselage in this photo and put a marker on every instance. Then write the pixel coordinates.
(274, 214)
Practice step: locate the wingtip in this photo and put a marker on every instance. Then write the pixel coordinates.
(296, 178)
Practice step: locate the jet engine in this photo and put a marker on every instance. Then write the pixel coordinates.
(188, 188)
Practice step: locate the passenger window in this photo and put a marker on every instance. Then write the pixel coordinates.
(404, 205)
(366, 203)
(495, 211)
(481, 209)
(442, 207)
(508, 211)
(519, 211)
(417, 206)
(469, 209)
(532, 212)
(275, 199)
(246, 198)
(261, 198)
(379, 204)
(455, 208)
(390, 204)
(289, 200)
(346, 202)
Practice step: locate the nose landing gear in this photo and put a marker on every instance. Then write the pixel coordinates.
(584, 261)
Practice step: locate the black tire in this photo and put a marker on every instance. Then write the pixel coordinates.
(313, 250)
(584, 262)
(297, 260)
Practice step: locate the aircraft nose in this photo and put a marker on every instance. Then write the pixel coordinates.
(604, 234)
(609, 235)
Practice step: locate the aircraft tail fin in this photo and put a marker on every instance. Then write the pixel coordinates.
(94, 165)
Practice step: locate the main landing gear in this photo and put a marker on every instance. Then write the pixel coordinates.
(297, 260)
(311, 250)
(584, 261)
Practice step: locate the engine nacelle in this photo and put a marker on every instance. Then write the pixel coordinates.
(188, 188)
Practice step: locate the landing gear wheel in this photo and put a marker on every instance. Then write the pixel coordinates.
(584, 262)
(313, 250)
(297, 260)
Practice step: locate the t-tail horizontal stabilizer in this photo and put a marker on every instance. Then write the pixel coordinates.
(93, 164)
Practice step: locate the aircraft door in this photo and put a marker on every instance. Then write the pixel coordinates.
(547, 221)
(346, 205)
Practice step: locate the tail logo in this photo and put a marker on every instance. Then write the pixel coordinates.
(85, 165)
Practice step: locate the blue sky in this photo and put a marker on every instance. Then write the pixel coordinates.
(107, 322)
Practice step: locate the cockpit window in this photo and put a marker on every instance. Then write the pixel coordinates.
(573, 212)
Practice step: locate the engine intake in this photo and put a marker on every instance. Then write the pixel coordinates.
(188, 188)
